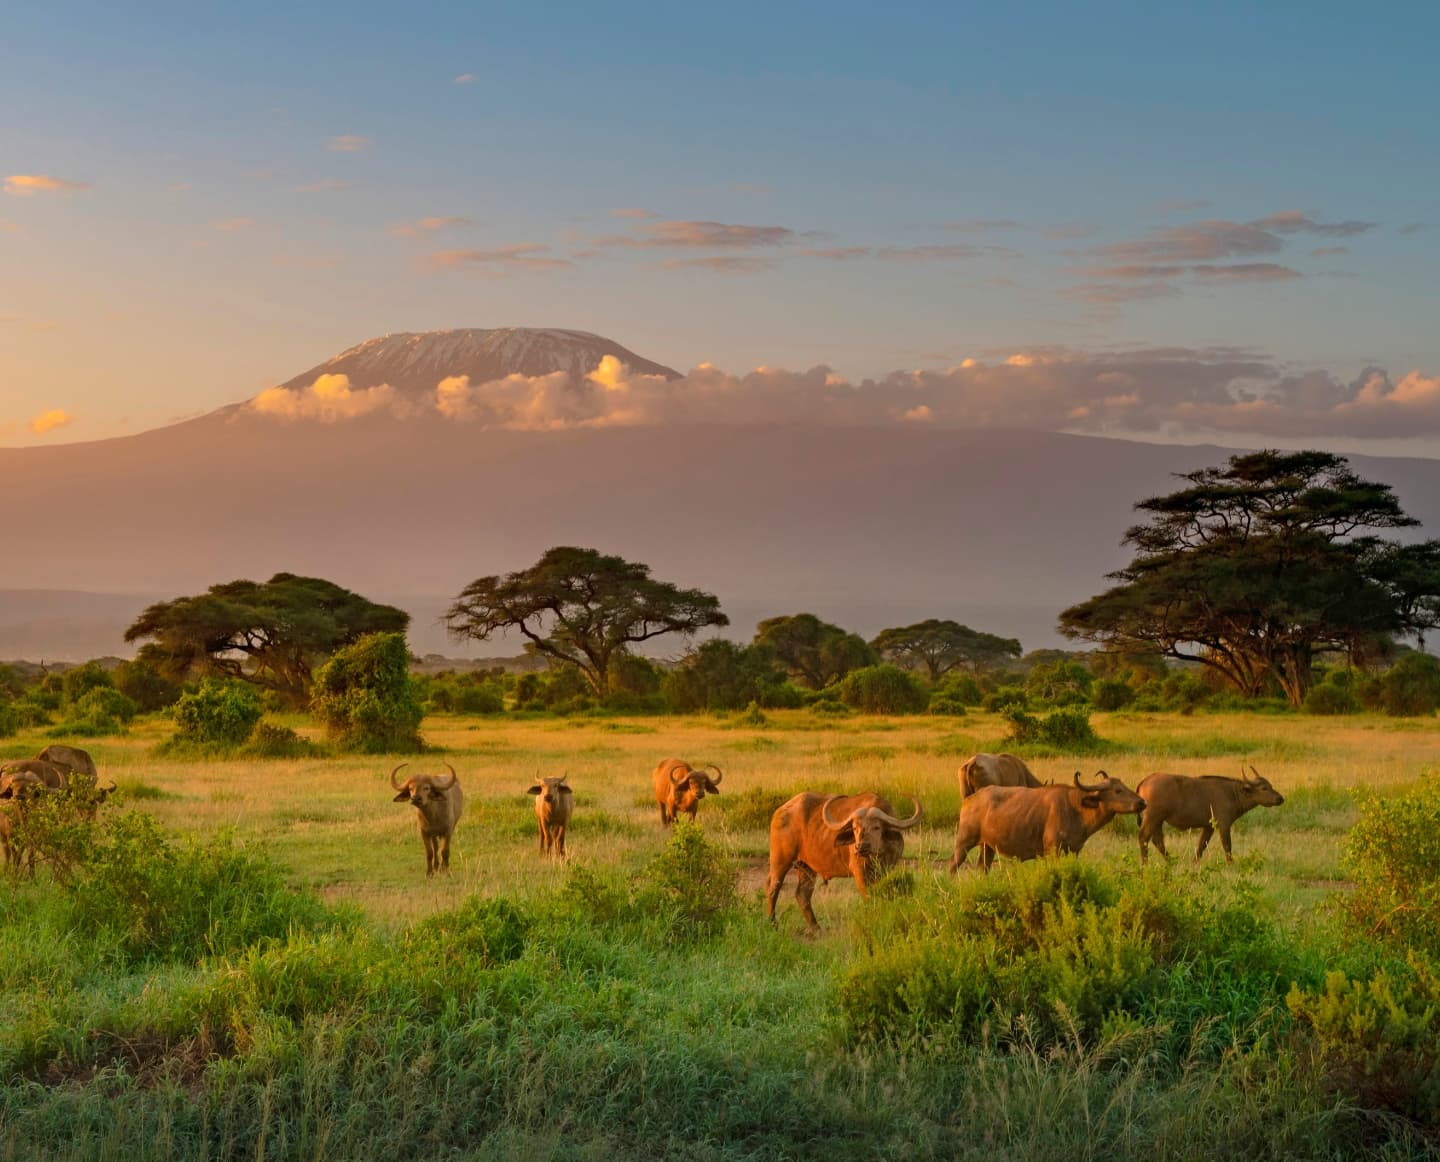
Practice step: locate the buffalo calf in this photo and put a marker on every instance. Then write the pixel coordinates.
(554, 801)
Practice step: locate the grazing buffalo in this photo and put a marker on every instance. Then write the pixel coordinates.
(994, 770)
(680, 787)
(1209, 802)
(554, 801)
(56, 778)
(69, 758)
(1025, 822)
(832, 836)
(439, 804)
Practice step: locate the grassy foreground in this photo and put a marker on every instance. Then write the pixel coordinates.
(348, 1007)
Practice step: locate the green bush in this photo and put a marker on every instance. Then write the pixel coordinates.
(217, 714)
(1065, 729)
(690, 886)
(883, 689)
(1068, 951)
(829, 708)
(1409, 688)
(959, 687)
(1393, 855)
(1059, 683)
(158, 899)
(752, 808)
(953, 707)
(270, 740)
(1003, 698)
(1328, 699)
(365, 697)
(1379, 1039)
(76, 683)
(144, 685)
(1112, 694)
(9, 718)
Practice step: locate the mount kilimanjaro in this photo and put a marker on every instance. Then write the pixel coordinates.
(866, 526)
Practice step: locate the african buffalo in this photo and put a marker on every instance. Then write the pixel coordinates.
(1024, 822)
(994, 770)
(439, 804)
(554, 801)
(16, 789)
(70, 758)
(1210, 802)
(680, 787)
(55, 777)
(831, 836)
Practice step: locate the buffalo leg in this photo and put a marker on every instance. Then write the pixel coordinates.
(664, 815)
(445, 854)
(1225, 840)
(803, 891)
(429, 841)
(987, 857)
(1158, 838)
(772, 890)
(1205, 833)
(560, 840)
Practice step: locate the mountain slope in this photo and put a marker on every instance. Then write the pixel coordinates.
(869, 526)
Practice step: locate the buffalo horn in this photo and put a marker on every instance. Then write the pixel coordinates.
(825, 814)
(395, 772)
(676, 777)
(903, 824)
(719, 774)
(451, 783)
(1096, 787)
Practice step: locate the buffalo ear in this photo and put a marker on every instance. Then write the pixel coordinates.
(1090, 800)
(535, 789)
(713, 789)
(402, 797)
(846, 836)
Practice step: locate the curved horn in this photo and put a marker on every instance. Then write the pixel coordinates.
(1083, 787)
(719, 774)
(451, 783)
(112, 788)
(1254, 772)
(677, 779)
(903, 824)
(825, 814)
(395, 772)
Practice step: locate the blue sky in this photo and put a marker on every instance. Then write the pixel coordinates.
(222, 198)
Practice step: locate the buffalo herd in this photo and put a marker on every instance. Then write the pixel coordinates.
(1004, 810)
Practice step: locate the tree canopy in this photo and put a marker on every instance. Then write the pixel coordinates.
(813, 651)
(942, 646)
(1253, 568)
(270, 634)
(581, 608)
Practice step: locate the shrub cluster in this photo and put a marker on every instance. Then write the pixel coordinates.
(366, 699)
(1065, 729)
(883, 689)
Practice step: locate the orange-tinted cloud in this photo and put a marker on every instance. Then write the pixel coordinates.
(48, 421)
(330, 399)
(24, 185)
(500, 260)
(423, 226)
(349, 143)
(702, 235)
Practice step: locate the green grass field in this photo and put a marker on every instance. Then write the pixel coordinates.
(383, 1033)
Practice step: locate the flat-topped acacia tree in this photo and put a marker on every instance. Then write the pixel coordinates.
(581, 608)
(1253, 568)
(271, 634)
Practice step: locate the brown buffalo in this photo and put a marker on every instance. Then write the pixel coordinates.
(56, 778)
(439, 804)
(994, 770)
(554, 801)
(831, 836)
(16, 790)
(1209, 802)
(70, 758)
(1025, 822)
(680, 787)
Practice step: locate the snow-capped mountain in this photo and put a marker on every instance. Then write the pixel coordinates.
(414, 362)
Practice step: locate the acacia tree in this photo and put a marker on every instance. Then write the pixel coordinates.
(271, 635)
(814, 651)
(581, 608)
(942, 646)
(1253, 568)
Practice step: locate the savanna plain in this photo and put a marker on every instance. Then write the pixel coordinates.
(256, 966)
